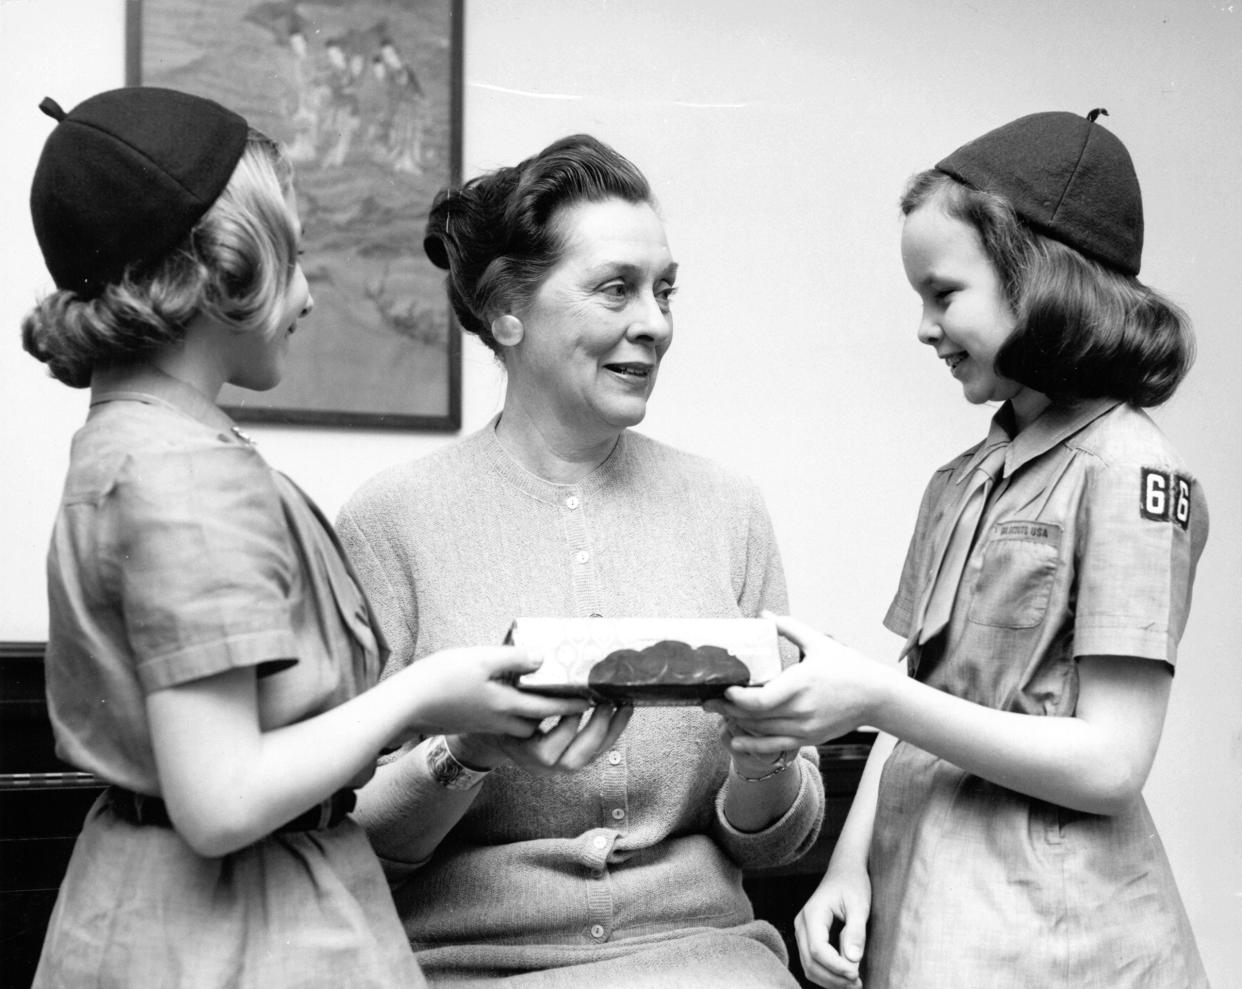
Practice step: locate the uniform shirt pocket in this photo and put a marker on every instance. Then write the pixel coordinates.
(1020, 560)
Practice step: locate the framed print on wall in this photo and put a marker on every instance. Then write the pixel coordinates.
(365, 95)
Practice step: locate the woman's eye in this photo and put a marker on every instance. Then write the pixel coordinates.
(665, 295)
(615, 290)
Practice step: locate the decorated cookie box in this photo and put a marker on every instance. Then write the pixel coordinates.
(646, 660)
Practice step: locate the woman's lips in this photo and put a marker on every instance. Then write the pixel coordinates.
(637, 371)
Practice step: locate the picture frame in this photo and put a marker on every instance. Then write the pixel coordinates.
(366, 98)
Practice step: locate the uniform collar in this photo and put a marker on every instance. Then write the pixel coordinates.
(147, 383)
(1051, 427)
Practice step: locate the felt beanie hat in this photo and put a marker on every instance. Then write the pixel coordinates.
(1067, 177)
(124, 177)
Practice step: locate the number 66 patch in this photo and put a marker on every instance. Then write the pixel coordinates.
(1165, 497)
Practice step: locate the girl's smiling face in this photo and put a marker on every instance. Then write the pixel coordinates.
(966, 316)
(600, 323)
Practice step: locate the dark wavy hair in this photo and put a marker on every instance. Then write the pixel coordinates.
(498, 235)
(235, 264)
(1083, 329)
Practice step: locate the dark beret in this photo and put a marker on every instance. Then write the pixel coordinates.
(1067, 176)
(125, 176)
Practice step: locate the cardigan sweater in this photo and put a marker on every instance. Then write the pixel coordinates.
(635, 849)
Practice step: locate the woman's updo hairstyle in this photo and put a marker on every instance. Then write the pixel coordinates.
(1083, 329)
(235, 265)
(497, 235)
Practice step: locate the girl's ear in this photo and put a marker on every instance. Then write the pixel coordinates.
(508, 330)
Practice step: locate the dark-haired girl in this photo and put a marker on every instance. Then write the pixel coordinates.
(999, 836)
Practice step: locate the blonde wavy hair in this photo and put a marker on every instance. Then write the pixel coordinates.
(235, 265)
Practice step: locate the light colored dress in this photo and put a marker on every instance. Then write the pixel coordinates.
(1087, 546)
(627, 873)
(178, 553)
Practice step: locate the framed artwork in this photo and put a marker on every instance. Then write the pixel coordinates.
(366, 97)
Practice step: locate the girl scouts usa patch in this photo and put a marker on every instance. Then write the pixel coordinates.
(1165, 497)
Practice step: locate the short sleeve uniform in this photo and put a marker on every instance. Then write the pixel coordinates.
(179, 554)
(1087, 545)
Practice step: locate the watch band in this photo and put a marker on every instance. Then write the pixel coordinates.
(447, 771)
(783, 761)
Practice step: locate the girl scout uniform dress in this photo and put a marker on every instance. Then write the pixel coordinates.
(178, 554)
(1086, 545)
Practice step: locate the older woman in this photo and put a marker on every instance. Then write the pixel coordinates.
(582, 856)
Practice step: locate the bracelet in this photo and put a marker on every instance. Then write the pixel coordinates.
(447, 770)
(783, 762)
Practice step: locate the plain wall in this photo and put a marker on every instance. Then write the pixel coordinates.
(778, 137)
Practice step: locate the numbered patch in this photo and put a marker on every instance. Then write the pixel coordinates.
(1165, 497)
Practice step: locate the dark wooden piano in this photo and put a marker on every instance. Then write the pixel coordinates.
(43, 803)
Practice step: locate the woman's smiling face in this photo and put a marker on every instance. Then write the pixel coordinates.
(599, 324)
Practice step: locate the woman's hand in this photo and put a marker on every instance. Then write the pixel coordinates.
(824, 696)
(566, 745)
(767, 788)
(832, 928)
(753, 767)
(472, 689)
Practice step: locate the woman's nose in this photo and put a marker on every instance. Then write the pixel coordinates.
(929, 329)
(653, 322)
(306, 309)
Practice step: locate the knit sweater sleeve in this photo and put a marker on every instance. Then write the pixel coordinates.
(763, 588)
(363, 527)
(764, 582)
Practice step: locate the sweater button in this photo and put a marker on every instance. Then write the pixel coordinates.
(597, 931)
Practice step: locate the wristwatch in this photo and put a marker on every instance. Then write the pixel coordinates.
(782, 762)
(447, 771)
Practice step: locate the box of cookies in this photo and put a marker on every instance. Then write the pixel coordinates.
(646, 660)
